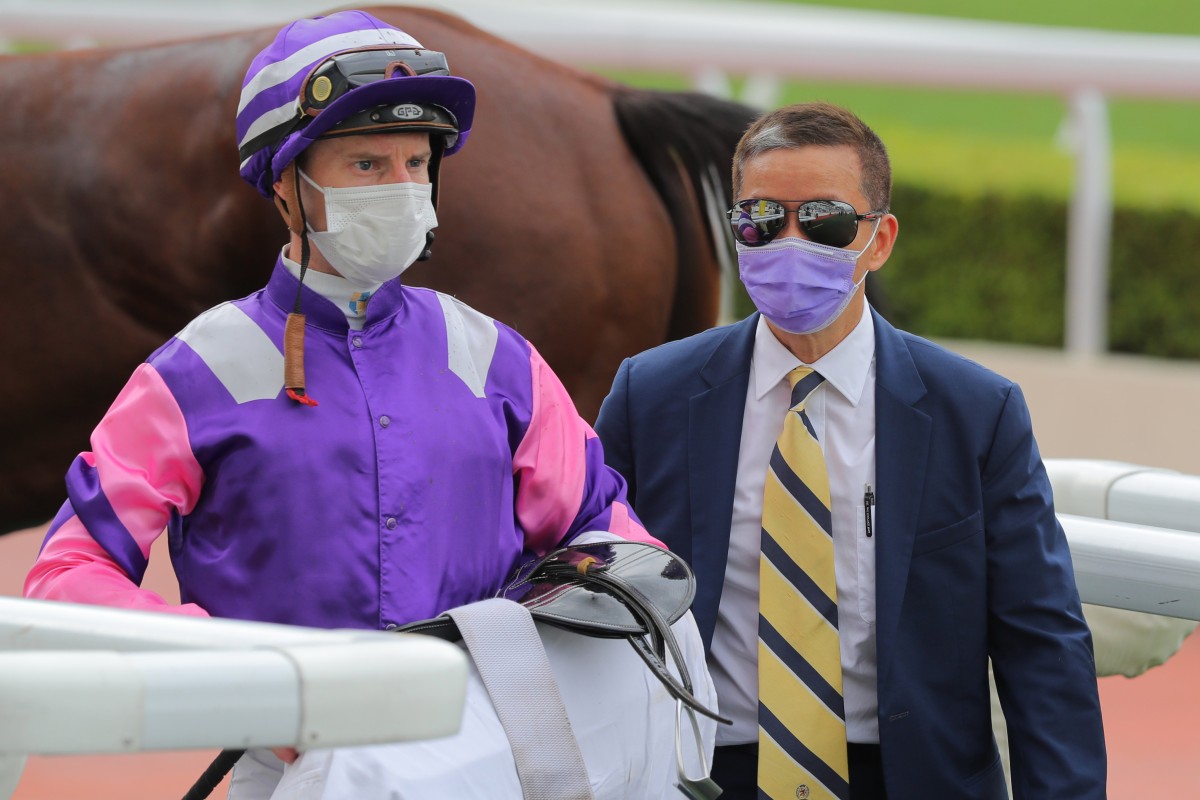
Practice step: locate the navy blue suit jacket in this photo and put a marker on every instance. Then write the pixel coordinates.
(970, 560)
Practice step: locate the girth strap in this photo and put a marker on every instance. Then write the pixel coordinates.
(508, 653)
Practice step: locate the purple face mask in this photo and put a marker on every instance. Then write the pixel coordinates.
(800, 286)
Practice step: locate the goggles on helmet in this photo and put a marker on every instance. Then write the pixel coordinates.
(340, 73)
(344, 72)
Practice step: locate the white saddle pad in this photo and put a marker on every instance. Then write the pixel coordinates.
(622, 716)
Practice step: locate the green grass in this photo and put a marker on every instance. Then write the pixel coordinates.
(1145, 16)
(996, 162)
(983, 142)
(27, 47)
(974, 142)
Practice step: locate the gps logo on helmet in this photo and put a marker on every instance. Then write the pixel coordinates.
(408, 112)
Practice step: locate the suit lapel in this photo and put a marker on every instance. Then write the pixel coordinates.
(714, 440)
(901, 453)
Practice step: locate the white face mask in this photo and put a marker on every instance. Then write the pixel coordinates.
(373, 233)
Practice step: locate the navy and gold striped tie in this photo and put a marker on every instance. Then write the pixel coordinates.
(801, 715)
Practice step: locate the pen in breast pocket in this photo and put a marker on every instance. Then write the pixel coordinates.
(868, 502)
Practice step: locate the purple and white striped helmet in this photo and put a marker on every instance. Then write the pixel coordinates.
(345, 73)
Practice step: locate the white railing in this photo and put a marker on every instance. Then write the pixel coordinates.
(84, 679)
(1134, 533)
(1135, 567)
(710, 40)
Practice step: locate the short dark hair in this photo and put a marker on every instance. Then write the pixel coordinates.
(824, 124)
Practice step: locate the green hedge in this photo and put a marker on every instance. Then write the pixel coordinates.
(993, 267)
(989, 267)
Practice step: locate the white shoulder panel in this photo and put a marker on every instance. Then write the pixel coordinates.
(239, 353)
(471, 342)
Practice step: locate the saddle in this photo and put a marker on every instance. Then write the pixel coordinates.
(611, 589)
(618, 589)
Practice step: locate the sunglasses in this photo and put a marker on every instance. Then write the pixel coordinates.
(828, 222)
(341, 73)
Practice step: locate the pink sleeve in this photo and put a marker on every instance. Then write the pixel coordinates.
(564, 487)
(625, 525)
(73, 568)
(121, 494)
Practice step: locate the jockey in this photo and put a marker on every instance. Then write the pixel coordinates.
(425, 450)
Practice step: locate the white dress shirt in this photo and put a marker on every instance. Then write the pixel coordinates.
(842, 411)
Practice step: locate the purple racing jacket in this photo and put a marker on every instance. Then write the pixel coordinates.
(442, 452)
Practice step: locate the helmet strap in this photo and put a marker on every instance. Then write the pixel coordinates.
(435, 164)
(292, 207)
(287, 200)
(438, 146)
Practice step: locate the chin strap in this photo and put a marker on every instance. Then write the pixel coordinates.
(289, 203)
(435, 165)
(287, 199)
(427, 253)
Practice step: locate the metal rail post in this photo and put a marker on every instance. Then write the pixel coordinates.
(1089, 229)
(12, 765)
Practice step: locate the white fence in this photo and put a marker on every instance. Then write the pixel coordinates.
(85, 679)
(1134, 533)
(767, 42)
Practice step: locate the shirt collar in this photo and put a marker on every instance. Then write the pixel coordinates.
(351, 301)
(387, 300)
(844, 367)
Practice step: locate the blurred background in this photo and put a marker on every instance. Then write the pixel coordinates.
(1025, 136)
(1049, 229)
(984, 180)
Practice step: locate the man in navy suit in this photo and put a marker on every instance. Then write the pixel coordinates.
(946, 547)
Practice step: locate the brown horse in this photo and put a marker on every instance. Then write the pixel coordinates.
(575, 213)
